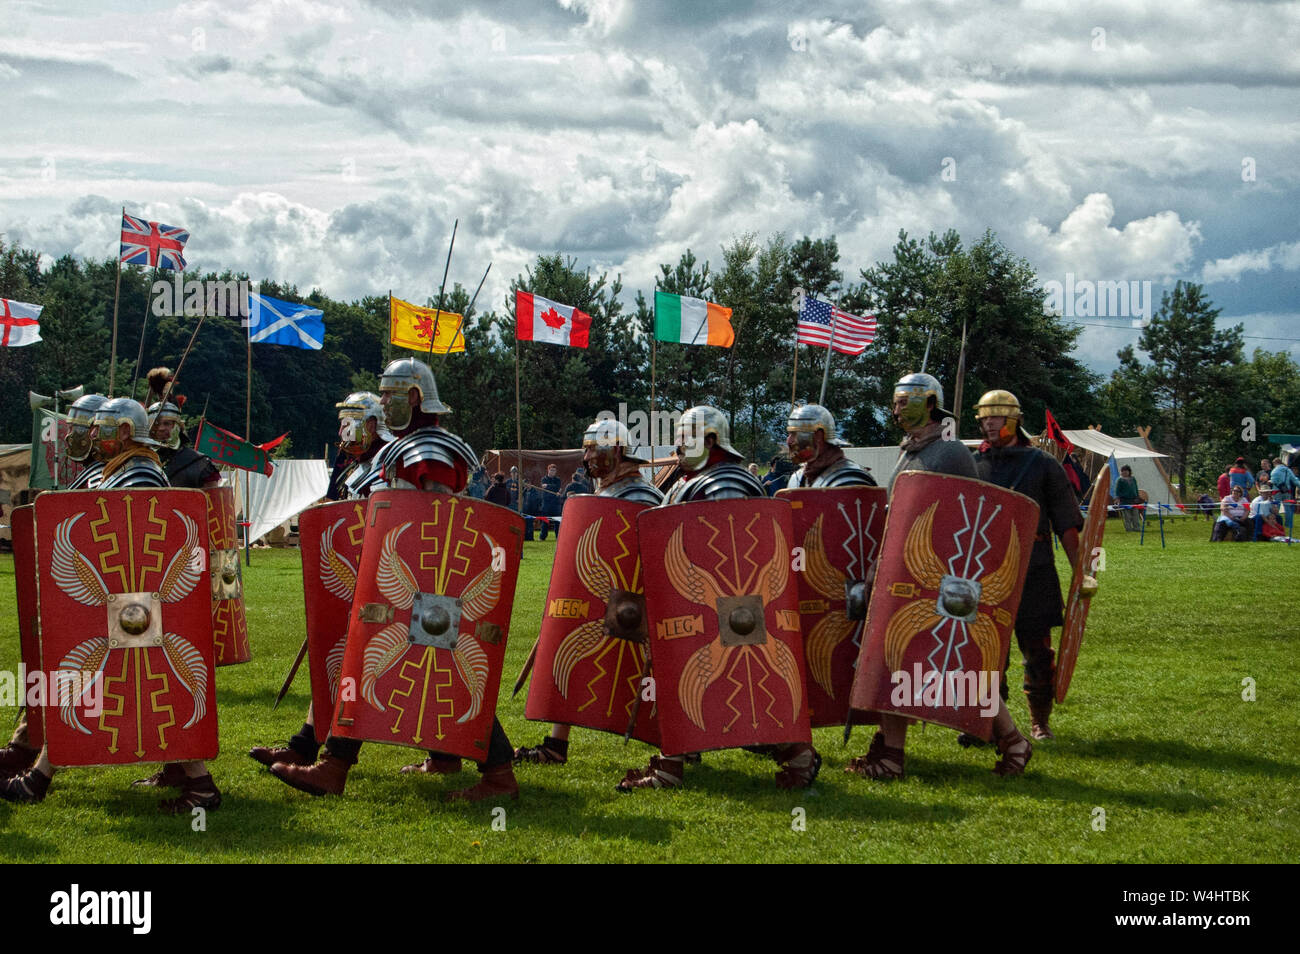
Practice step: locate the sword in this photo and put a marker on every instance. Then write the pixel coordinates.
(528, 667)
(293, 671)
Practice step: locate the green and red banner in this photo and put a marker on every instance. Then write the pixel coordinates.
(230, 450)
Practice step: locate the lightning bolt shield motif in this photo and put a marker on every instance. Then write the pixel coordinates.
(948, 582)
(126, 626)
(723, 617)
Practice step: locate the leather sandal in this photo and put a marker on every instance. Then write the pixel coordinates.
(882, 762)
(660, 773)
(800, 764)
(27, 788)
(434, 765)
(1016, 751)
(200, 792)
(552, 751)
(170, 775)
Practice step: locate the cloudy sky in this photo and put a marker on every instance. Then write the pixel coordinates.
(331, 144)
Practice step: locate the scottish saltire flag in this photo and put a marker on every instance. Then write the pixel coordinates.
(271, 321)
(152, 243)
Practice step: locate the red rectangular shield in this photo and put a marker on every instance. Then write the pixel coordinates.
(330, 537)
(592, 649)
(229, 626)
(1077, 606)
(22, 523)
(126, 619)
(723, 615)
(839, 530)
(948, 583)
(427, 633)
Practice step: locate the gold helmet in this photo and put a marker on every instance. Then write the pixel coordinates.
(81, 418)
(696, 425)
(354, 410)
(1003, 404)
(397, 380)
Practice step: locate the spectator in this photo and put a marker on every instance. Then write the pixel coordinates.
(1265, 471)
(498, 493)
(778, 474)
(551, 488)
(1286, 482)
(753, 469)
(1233, 517)
(1239, 476)
(1262, 508)
(1204, 505)
(1126, 495)
(576, 486)
(478, 484)
(1225, 484)
(512, 485)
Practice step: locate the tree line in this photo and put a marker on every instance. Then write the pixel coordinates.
(1186, 377)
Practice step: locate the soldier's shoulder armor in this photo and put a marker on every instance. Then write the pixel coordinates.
(637, 490)
(355, 479)
(189, 468)
(428, 443)
(844, 474)
(89, 478)
(138, 472)
(724, 482)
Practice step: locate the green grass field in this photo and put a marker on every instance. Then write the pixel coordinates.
(1155, 733)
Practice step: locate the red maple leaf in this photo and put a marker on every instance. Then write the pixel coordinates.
(552, 318)
(424, 327)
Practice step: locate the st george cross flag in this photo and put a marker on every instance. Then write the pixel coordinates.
(540, 319)
(19, 323)
(271, 321)
(692, 321)
(852, 334)
(152, 243)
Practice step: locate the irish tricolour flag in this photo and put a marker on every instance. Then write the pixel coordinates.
(692, 321)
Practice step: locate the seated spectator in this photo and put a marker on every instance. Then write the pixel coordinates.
(1233, 520)
(1126, 495)
(1239, 476)
(1262, 508)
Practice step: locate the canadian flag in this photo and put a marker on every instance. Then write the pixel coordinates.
(539, 319)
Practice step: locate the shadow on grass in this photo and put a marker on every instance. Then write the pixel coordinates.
(1175, 753)
(16, 846)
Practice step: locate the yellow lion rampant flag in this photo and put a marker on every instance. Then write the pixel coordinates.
(410, 326)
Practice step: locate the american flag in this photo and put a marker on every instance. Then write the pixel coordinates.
(852, 334)
(152, 243)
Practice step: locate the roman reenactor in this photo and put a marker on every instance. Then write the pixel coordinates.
(362, 434)
(1008, 458)
(839, 515)
(929, 446)
(709, 619)
(121, 432)
(819, 453)
(607, 455)
(413, 573)
(19, 754)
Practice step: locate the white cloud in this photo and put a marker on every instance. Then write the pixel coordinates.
(1285, 255)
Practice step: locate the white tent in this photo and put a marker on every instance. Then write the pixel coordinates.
(293, 486)
(1134, 452)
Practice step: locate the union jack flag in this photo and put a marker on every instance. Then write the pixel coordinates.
(152, 243)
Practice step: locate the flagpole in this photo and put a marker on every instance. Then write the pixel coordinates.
(653, 349)
(388, 341)
(139, 357)
(961, 377)
(519, 440)
(248, 435)
(794, 381)
(117, 292)
(830, 348)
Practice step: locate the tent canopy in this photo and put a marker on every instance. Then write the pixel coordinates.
(293, 486)
(1124, 448)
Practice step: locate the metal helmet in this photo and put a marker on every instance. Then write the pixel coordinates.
(695, 425)
(998, 403)
(1003, 404)
(161, 413)
(396, 381)
(81, 418)
(806, 420)
(118, 411)
(918, 388)
(354, 410)
(609, 433)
